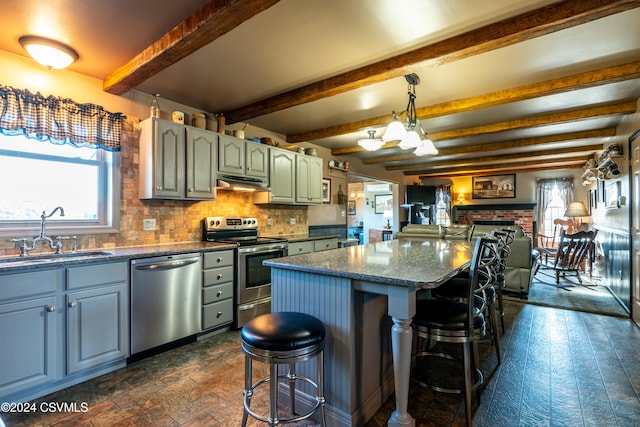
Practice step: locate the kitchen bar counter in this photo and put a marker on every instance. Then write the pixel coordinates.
(365, 295)
(49, 259)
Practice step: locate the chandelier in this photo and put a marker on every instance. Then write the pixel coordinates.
(371, 143)
(407, 133)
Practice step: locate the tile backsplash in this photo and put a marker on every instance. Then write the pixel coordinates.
(176, 220)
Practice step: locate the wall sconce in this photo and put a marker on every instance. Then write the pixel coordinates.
(50, 53)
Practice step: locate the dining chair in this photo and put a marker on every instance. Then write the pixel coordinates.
(455, 321)
(547, 244)
(569, 256)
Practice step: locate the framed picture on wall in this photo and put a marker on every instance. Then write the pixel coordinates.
(351, 207)
(326, 190)
(493, 187)
(612, 195)
(383, 203)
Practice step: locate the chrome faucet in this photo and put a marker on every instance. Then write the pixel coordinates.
(26, 247)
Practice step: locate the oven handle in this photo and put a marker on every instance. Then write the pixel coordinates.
(257, 250)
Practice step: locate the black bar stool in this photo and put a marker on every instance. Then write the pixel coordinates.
(282, 338)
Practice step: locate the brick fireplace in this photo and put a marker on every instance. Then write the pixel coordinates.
(500, 214)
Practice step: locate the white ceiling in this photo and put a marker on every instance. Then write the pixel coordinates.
(295, 43)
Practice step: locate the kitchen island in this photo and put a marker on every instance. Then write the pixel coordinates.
(365, 295)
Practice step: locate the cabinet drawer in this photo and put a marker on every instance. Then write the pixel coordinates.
(216, 276)
(217, 293)
(97, 275)
(323, 245)
(217, 313)
(300, 248)
(26, 284)
(218, 259)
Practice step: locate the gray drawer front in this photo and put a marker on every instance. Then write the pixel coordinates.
(216, 276)
(217, 313)
(217, 293)
(25, 284)
(300, 248)
(97, 275)
(326, 244)
(218, 259)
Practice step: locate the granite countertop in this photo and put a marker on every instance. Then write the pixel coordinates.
(291, 238)
(404, 262)
(49, 259)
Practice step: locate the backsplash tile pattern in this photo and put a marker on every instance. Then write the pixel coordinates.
(176, 220)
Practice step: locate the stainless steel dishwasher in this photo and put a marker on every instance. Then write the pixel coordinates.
(165, 299)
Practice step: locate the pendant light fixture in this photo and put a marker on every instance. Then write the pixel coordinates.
(371, 143)
(409, 134)
(50, 53)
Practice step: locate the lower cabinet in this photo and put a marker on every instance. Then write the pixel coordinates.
(308, 246)
(217, 289)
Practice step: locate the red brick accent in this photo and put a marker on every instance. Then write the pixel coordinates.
(521, 217)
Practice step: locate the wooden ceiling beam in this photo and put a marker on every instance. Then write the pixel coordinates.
(540, 155)
(212, 21)
(550, 87)
(513, 167)
(493, 146)
(510, 31)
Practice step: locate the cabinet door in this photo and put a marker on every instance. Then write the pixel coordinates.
(97, 326)
(169, 151)
(201, 156)
(257, 160)
(230, 155)
(29, 338)
(309, 180)
(282, 176)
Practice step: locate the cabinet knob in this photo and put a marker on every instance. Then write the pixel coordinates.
(158, 188)
(219, 260)
(190, 190)
(219, 314)
(219, 294)
(51, 308)
(299, 249)
(72, 304)
(219, 276)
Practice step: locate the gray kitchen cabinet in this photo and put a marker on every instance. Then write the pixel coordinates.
(298, 248)
(97, 315)
(282, 176)
(241, 157)
(217, 289)
(308, 180)
(30, 332)
(176, 161)
(325, 244)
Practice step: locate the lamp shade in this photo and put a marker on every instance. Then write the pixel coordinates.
(425, 148)
(395, 131)
(412, 140)
(576, 209)
(50, 53)
(371, 143)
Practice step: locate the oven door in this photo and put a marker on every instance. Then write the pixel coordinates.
(254, 279)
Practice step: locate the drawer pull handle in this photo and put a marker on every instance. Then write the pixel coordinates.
(219, 260)
(219, 276)
(219, 294)
(299, 249)
(51, 308)
(72, 304)
(219, 314)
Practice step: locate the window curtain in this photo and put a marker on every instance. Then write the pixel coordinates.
(58, 120)
(443, 204)
(544, 191)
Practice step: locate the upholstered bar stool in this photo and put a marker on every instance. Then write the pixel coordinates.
(283, 338)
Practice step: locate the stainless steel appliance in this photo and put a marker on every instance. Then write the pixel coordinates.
(253, 280)
(166, 297)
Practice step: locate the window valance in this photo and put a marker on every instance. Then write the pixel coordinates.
(58, 120)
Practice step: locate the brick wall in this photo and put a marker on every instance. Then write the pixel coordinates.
(520, 214)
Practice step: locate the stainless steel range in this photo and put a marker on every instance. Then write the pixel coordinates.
(253, 280)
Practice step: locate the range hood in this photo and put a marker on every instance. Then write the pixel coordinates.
(240, 182)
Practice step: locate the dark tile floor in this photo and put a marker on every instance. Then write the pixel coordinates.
(560, 368)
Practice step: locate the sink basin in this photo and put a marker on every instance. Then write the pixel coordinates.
(50, 257)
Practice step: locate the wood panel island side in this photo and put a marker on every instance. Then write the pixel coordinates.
(365, 295)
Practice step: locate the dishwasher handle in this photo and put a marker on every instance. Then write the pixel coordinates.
(166, 265)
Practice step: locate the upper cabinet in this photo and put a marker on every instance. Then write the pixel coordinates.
(243, 158)
(176, 161)
(308, 180)
(283, 176)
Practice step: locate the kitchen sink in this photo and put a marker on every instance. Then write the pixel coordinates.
(51, 257)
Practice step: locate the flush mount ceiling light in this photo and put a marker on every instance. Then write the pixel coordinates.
(407, 133)
(371, 143)
(50, 53)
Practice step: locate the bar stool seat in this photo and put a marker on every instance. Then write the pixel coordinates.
(283, 338)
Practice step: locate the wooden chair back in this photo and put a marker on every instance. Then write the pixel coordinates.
(572, 250)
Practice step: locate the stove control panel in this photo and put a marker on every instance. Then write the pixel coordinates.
(230, 223)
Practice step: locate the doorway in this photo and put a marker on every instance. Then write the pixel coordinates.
(372, 204)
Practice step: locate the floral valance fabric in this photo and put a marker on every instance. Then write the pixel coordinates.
(59, 120)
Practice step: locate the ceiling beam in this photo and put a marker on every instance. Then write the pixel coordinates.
(535, 90)
(540, 155)
(492, 146)
(513, 167)
(212, 21)
(527, 26)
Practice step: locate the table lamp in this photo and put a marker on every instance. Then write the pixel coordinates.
(388, 214)
(574, 212)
